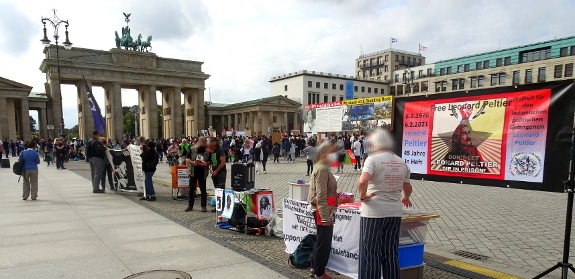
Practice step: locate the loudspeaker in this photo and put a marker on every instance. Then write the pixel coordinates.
(5, 163)
(243, 176)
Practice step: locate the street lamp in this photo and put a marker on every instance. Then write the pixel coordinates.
(55, 22)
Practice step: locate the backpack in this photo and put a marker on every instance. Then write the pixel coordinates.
(18, 167)
(302, 256)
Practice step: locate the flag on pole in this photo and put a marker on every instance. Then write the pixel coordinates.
(393, 40)
(422, 48)
(96, 112)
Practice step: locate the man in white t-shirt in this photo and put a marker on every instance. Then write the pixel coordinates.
(357, 153)
(383, 187)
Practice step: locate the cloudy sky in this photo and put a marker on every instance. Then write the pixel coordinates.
(244, 43)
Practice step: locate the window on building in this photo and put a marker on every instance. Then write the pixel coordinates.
(478, 65)
(355, 88)
(454, 84)
(285, 87)
(419, 63)
(558, 73)
(448, 71)
(408, 89)
(535, 54)
(309, 83)
(385, 77)
(325, 98)
(369, 90)
(498, 62)
(459, 68)
(309, 98)
(466, 67)
(275, 119)
(400, 90)
(437, 86)
(563, 51)
(358, 64)
(317, 84)
(415, 87)
(386, 68)
(541, 74)
(392, 90)
(502, 79)
(341, 87)
(429, 72)
(420, 74)
(341, 98)
(333, 98)
(403, 60)
(424, 86)
(480, 81)
(325, 85)
(409, 60)
(572, 50)
(528, 76)
(333, 86)
(442, 71)
(396, 58)
(461, 83)
(382, 91)
(386, 57)
(516, 77)
(486, 64)
(474, 82)
(494, 79)
(568, 70)
(444, 86)
(375, 91)
(507, 61)
(396, 78)
(363, 89)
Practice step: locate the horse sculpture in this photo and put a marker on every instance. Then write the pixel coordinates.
(118, 40)
(128, 43)
(147, 44)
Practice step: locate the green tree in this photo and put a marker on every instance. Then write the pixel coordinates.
(128, 126)
(32, 124)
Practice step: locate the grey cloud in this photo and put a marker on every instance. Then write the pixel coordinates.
(17, 30)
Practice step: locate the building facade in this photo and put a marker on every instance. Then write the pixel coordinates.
(310, 87)
(380, 65)
(260, 116)
(539, 62)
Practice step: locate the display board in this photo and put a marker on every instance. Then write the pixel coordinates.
(349, 115)
(517, 137)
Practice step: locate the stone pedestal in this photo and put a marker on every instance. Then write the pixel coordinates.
(113, 111)
(85, 119)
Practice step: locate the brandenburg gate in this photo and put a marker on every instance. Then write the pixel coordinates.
(117, 69)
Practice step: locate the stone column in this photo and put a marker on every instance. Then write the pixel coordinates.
(11, 113)
(296, 122)
(201, 108)
(258, 124)
(56, 116)
(266, 118)
(148, 111)
(42, 123)
(286, 123)
(190, 127)
(210, 120)
(85, 118)
(237, 121)
(24, 113)
(172, 112)
(4, 132)
(113, 110)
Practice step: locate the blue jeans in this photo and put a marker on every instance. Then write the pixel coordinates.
(149, 184)
(160, 155)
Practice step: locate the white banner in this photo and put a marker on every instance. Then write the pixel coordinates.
(299, 222)
(137, 165)
(183, 178)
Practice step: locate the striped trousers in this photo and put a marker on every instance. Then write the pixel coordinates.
(378, 248)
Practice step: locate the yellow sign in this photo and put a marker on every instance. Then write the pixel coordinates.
(367, 100)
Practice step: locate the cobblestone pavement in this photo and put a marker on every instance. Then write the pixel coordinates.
(269, 251)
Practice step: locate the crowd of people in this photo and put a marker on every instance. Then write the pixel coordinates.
(383, 185)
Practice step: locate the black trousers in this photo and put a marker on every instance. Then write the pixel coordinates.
(265, 161)
(201, 180)
(108, 173)
(309, 166)
(220, 179)
(378, 248)
(276, 158)
(322, 248)
(60, 162)
(357, 163)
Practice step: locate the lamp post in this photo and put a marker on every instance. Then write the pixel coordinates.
(55, 22)
(408, 80)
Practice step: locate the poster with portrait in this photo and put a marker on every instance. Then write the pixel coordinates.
(124, 172)
(219, 199)
(264, 207)
(498, 136)
(229, 200)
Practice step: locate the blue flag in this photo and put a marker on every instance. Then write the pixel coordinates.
(96, 112)
(349, 88)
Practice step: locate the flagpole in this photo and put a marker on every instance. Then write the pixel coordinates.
(419, 48)
(390, 43)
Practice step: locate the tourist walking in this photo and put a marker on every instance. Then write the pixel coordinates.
(149, 164)
(257, 157)
(276, 149)
(60, 153)
(323, 199)
(310, 154)
(357, 153)
(265, 155)
(95, 153)
(198, 160)
(30, 173)
(380, 187)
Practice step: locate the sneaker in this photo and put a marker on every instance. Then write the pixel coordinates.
(204, 209)
(188, 209)
(143, 199)
(264, 172)
(152, 199)
(98, 192)
(323, 276)
(307, 174)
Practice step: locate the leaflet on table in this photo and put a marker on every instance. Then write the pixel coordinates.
(500, 136)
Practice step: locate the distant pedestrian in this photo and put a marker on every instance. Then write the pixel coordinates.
(95, 153)
(30, 174)
(310, 155)
(257, 157)
(198, 161)
(265, 155)
(276, 150)
(357, 149)
(60, 153)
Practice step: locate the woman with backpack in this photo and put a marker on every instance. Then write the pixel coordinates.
(30, 171)
(149, 163)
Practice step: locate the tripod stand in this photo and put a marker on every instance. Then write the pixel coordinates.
(569, 186)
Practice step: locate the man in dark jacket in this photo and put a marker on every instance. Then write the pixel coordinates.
(149, 163)
(96, 155)
(198, 160)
